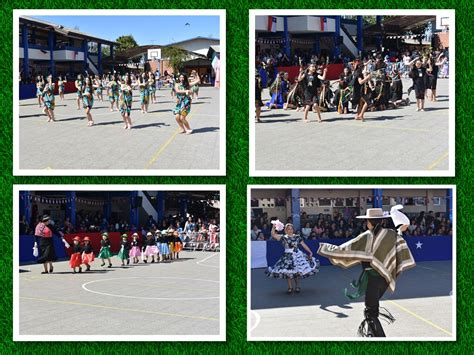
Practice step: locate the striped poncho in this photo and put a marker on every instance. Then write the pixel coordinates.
(387, 252)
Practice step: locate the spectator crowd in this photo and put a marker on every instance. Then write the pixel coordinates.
(338, 225)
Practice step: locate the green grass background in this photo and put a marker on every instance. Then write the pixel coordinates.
(238, 177)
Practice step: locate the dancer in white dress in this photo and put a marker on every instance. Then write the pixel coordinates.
(293, 265)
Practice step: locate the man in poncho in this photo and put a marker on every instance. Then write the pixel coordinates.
(383, 254)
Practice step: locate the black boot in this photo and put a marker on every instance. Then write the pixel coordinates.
(371, 326)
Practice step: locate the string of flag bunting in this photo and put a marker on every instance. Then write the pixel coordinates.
(282, 41)
(340, 201)
(91, 202)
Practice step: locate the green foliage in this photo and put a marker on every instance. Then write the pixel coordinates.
(176, 57)
(126, 42)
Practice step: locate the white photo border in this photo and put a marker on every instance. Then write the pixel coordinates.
(221, 171)
(452, 99)
(250, 327)
(105, 337)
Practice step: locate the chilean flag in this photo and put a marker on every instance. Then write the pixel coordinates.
(324, 23)
(272, 23)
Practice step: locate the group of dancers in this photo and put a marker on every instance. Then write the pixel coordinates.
(163, 246)
(371, 85)
(119, 90)
(382, 253)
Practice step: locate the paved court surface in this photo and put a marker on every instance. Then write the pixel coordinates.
(180, 298)
(398, 139)
(421, 304)
(152, 143)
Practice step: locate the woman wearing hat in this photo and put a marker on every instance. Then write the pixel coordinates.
(383, 254)
(76, 260)
(104, 252)
(163, 245)
(135, 252)
(293, 265)
(44, 232)
(151, 249)
(124, 250)
(87, 253)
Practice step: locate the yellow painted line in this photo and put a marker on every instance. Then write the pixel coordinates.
(370, 125)
(166, 144)
(420, 317)
(119, 308)
(438, 161)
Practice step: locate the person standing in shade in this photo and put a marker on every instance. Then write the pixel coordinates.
(420, 77)
(44, 233)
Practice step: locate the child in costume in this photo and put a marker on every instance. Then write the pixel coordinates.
(104, 252)
(48, 99)
(151, 249)
(164, 249)
(178, 244)
(87, 253)
(170, 241)
(135, 251)
(75, 261)
(124, 250)
(383, 254)
(293, 264)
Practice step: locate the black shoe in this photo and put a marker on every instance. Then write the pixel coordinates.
(44, 272)
(88, 268)
(80, 269)
(50, 269)
(74, 271)
(145, 261)
(103, 264)
(110, 265)
(128, 261)
(153, 261)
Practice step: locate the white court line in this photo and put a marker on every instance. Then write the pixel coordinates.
(257, 320)
(84, 286)
(203, 260)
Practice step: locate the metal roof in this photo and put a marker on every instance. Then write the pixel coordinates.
(64, 30)
(193, 39)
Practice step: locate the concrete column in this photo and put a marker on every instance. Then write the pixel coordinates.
(99, 58)
(317, 45)
(25, 205)
(108, 206)
(378, 37)
(360, 35)
(85, 49)
(71, 207)
(24, 41)
(160, 205)
(295, 209)
(112, 55)
(52, 68)
(337, 34)
(287, 36)
(134, 218)
(377, 198)
(449, 204)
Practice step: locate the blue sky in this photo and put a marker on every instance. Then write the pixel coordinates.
(145, 29)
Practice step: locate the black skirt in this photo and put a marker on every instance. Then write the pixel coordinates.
(46, 250)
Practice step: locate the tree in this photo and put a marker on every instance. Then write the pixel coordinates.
(126, 42)
(176, 57)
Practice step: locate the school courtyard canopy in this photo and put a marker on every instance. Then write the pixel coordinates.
(338, 34)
